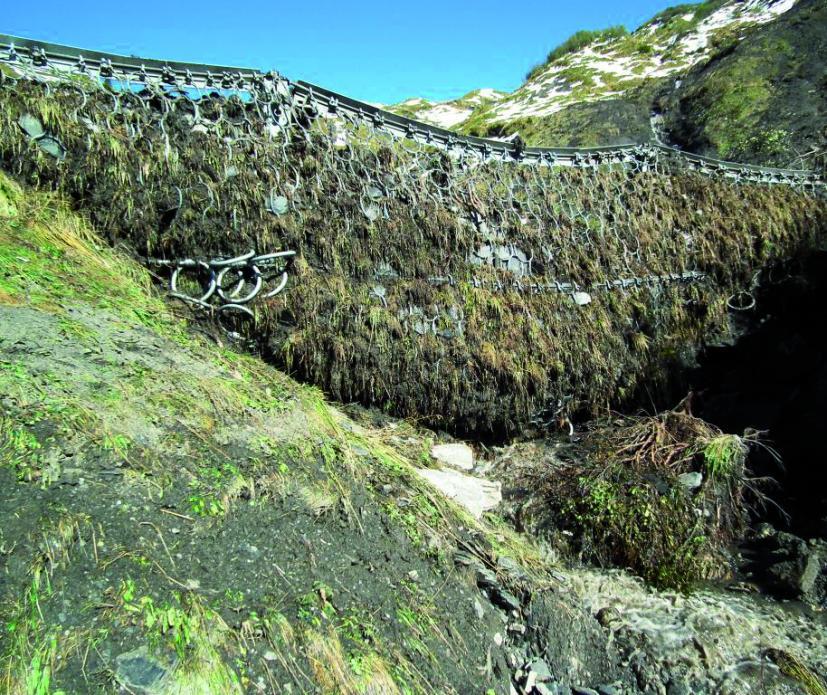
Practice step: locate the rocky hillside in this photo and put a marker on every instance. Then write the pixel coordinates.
(733, 79)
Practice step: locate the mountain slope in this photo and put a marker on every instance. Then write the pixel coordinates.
(446, 114)
(614, 87)
(762, 100)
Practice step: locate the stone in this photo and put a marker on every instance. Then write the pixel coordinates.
(52, 146)
(480, 611)
(608, 690)
(506, 600)
(513, 569)
(477, 495)
(487, 579)
(792, 568)
(812, 569)
(464, 559)
(691, 481)
(278, 205)
(540, 667)
(140, 673)
(31, 125)
(500, 596)
(581, 298)
(457, 455)
(583, 691)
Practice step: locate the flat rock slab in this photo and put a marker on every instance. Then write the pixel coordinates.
(477, 495)
(141, 673)
(458, 455)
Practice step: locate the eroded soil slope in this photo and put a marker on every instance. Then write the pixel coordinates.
(179, 518)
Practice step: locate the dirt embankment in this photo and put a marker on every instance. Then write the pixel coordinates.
(178, 518)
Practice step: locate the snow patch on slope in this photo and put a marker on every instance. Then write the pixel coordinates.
(447, 114)
(610, 69)
(444, 115)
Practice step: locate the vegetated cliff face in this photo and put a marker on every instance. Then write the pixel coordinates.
(737, 80)
(429, 288)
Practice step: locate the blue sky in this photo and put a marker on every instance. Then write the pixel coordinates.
(371, 50)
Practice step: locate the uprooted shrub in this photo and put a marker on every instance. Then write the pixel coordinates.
(663, 496)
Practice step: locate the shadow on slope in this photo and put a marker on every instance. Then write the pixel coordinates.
(761, 100)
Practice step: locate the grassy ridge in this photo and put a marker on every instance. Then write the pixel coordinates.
(576, 42)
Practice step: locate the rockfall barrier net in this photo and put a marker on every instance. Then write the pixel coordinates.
(474, 283)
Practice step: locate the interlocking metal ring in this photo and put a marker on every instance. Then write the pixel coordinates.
(188, 264)
(734, 301)
(242, 271)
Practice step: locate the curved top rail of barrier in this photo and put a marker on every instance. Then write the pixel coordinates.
(42, 57)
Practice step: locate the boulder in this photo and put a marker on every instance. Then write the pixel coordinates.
(477, 495)
(456, 455)
(790, 567)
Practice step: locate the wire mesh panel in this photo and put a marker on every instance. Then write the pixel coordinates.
(391, 262)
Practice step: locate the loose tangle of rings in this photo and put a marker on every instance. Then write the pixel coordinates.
(226, 286)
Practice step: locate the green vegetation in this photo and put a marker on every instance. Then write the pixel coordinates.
(672, 17)
(794, 667)
(625, 522)
(622, 499)
(733, 102)
(724, 456)
(737, 97)
(329, 329)
(575, 42)
(30, 649)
